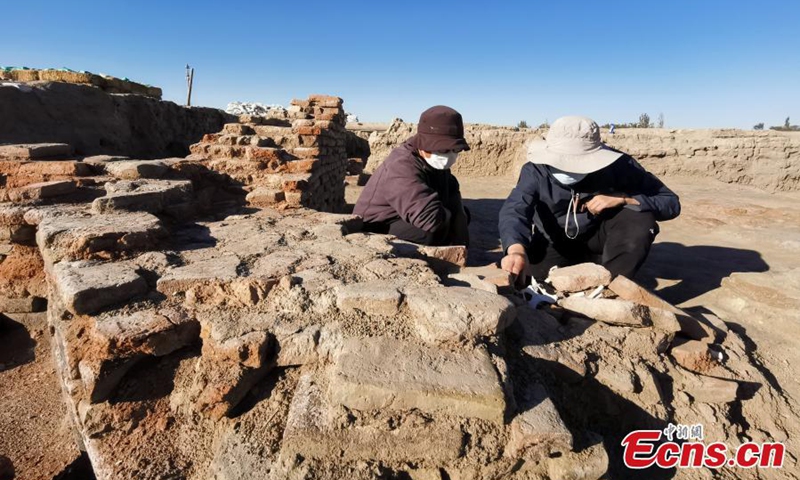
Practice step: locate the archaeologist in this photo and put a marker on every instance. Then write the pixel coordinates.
(585, 202)
(412, 194)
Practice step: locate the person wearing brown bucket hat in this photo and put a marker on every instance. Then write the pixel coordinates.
(578, 200)
(412, 194)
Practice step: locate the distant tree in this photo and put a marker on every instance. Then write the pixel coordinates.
(546, 124)
(758, 126)
(644, 121)
(660, 120)
(522, 124)
(786, 127)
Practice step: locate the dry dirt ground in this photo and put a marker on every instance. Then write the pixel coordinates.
(34, 404)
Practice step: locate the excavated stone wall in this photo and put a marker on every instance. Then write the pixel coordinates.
(197, 339)
(98, 123)
(767, 160)
(289, 159)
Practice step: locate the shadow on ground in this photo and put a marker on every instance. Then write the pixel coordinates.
(484, 238)
(590, 410)
(19, 348)
(698, 269)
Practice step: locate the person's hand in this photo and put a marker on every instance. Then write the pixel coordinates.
(515, 262)
(598, 203)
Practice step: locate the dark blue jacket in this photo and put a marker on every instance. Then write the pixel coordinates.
(539, 199)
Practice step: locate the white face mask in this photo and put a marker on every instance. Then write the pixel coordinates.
(566, 178)
(442, 161)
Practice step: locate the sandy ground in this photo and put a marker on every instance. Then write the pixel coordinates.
(35, 434)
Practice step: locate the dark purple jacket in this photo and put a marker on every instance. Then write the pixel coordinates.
(405, 187)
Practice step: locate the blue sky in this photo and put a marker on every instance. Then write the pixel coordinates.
(709, 63)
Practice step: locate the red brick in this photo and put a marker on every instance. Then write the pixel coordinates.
(301, 166)
(308, 130)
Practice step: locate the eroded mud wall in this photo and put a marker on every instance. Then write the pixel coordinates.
(95, 122)
(767, 160)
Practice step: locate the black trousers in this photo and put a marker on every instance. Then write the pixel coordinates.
(456, 233)
(620, 243)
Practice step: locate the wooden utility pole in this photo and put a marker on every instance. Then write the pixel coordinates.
(189, 81)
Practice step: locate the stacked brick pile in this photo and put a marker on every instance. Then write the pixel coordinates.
(106, 83)
(296, 159)
(29, 174)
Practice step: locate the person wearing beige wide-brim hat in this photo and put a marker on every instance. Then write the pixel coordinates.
(579, 200)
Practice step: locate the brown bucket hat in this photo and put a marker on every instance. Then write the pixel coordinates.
(441, 129)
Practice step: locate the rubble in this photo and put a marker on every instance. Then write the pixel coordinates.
(694, 355)
(87, 287)
(287, 158)
(579, 277)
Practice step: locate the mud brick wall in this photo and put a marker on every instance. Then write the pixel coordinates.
(106, 83)
(287, 160)
(96, 122)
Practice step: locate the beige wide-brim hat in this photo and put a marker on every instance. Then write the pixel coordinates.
(573, 145)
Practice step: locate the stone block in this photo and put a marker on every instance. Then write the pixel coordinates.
(200, 273)
(250, 350)
(607, 310)
(313, 430)
(296, 346)
(493, 274)
(691, 327)
(457, 313)
(445, 259)
(35, 151)
(579, 277)
(538, 431)
(262, 196)
(221, 385)
(694, 355)
(42, 190)
(87, 287)
(387, 374)
(143, 195)
(55, 169)
(73, 237)
(136, 169)
(148, 332)
(101, 160)
(276, 265)
(370, 298)
(708, 389)
(238, 129)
